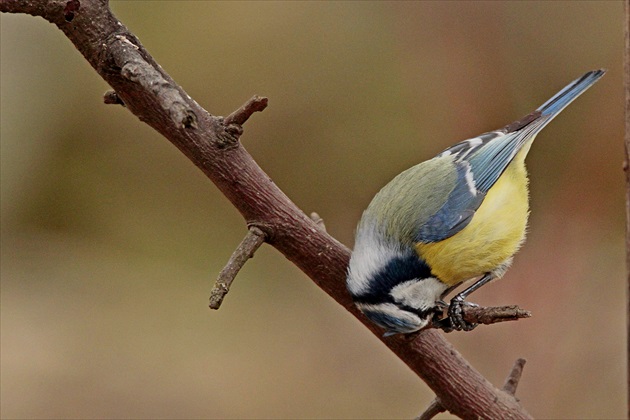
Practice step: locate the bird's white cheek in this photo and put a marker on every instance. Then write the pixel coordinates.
(420, 294)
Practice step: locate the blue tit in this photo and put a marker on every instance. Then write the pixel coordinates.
(459, 216)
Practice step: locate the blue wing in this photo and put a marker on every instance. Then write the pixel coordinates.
(480, 161)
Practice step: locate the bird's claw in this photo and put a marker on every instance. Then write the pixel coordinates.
(455, 315)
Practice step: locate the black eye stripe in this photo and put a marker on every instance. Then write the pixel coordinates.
(399, 270)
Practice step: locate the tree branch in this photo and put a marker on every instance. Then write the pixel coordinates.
(250, 243)
(151, 94)
(510, 385)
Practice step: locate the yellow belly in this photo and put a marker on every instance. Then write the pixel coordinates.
(494, 234)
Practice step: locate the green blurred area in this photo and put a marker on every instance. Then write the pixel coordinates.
(111, 239)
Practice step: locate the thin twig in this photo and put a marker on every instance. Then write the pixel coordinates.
(245, 250)
(255, 104)
(490, 314)
(511, 382)
(493, 314)
(432, 410)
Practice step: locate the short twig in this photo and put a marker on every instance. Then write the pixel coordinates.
(255, 104)
(318, 221)
(432, 410)
(491, 314)
(245, 250)
(511, 382)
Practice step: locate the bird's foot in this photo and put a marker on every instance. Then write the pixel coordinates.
(455, 315)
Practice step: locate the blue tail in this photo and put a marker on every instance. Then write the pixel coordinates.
(574, 89)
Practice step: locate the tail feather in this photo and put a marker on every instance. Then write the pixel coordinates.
(574, 89)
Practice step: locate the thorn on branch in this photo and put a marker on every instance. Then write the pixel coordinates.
(318, 221)
(245, 250)
(432, 410)
(111, 98)
(490, 315)
(511, 382)
(238, 117)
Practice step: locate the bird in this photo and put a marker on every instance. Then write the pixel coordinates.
(457, 217)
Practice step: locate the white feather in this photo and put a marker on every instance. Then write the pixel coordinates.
(370, 255)
(392, 311)
(470, 181)
(419, 294)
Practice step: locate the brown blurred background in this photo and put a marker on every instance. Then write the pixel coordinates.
(111, 239)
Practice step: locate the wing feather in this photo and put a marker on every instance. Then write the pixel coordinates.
(481, 160)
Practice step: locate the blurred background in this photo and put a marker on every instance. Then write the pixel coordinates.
(111, 239)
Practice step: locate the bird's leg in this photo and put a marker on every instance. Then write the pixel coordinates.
(455, 308)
